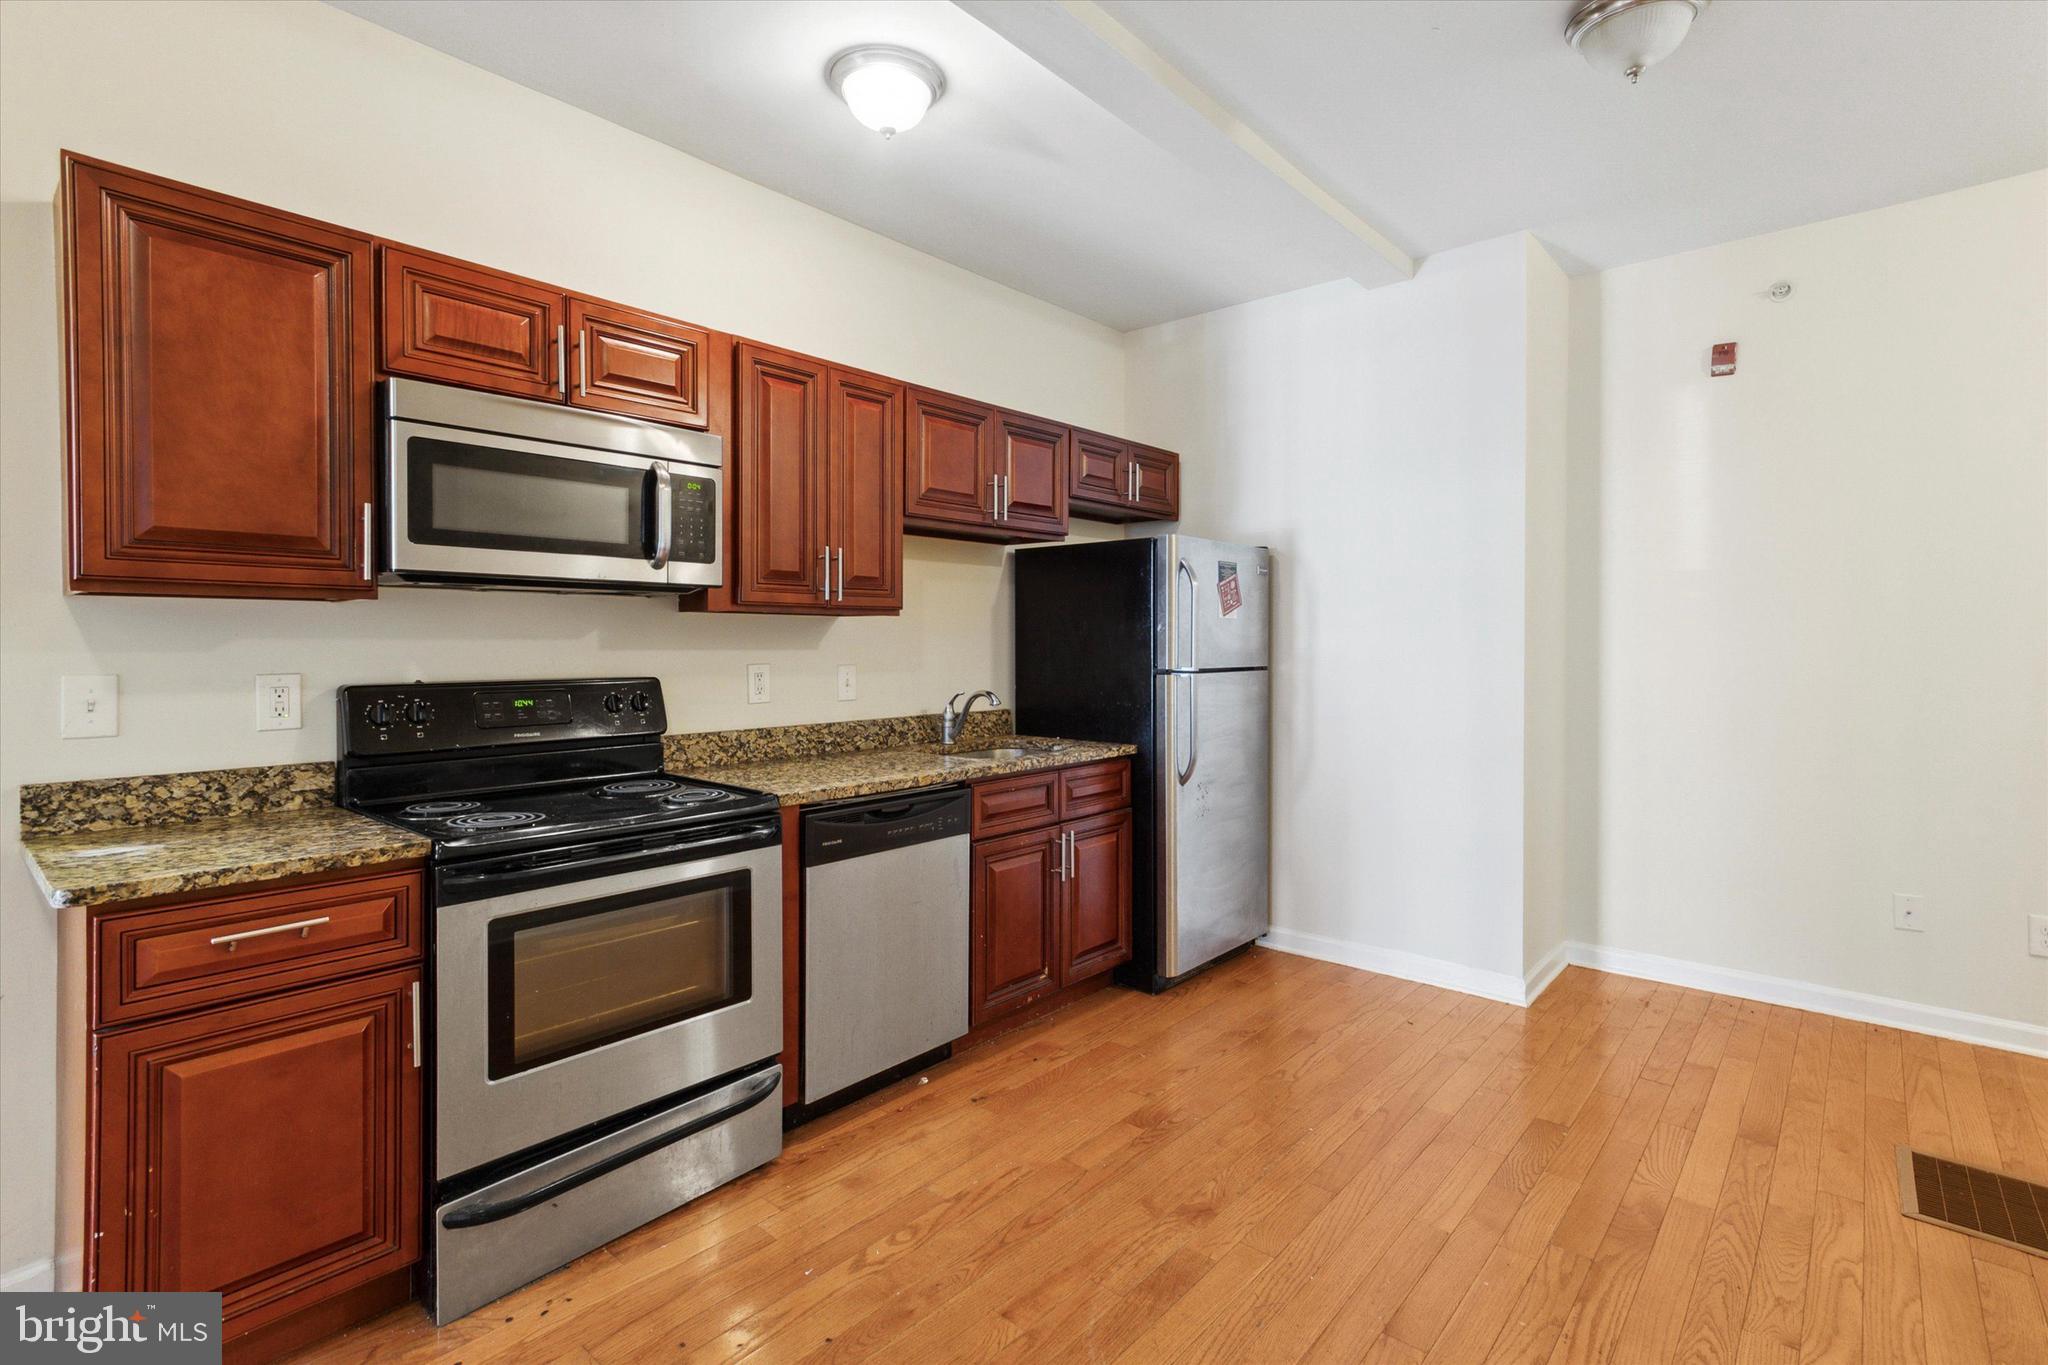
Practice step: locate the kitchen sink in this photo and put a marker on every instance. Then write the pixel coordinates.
(1007, 751)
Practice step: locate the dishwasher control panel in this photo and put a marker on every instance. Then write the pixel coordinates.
(855, 829)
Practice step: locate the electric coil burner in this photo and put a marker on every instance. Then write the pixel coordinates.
(606, 965)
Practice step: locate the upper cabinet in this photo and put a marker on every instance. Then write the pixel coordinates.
(220, 440)
(457, 323)
(976, 472)
(815, 471)
(1111, 479)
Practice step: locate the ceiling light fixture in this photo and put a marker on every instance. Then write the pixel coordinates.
(1622, 37)
(887, 88)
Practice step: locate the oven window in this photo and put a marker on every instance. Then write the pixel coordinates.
(489, 498)
(576, 977)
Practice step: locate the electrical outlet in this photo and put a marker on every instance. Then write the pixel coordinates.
(1908, 913)
(757, 684)
(846, 692)
(2037, 935)
(277, 701)
(90, 707)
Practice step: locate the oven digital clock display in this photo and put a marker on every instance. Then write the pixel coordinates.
(497, 709)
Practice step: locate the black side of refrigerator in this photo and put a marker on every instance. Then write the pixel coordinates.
(1084, 634)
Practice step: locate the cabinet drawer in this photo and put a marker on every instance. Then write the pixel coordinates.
(156, 961)
(1013, 804)
(1096, 788)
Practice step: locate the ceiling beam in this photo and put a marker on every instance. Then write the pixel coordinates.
(1084, 45)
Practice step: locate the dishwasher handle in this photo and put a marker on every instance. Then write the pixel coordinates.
(855, 829)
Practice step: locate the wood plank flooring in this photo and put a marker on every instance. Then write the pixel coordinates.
(1289, 1160)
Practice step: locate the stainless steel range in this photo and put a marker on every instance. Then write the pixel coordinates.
(605, 965)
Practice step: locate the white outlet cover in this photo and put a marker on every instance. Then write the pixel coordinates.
(90, 707)
(2037, 935)
(277, 701)
(846, 682)
(757, 684)
(1909, 913)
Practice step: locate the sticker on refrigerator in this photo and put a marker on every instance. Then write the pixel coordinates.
(1228, 598)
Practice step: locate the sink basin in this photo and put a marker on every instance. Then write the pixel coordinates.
(1007, 751)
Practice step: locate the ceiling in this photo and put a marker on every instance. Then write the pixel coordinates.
(1142, 160)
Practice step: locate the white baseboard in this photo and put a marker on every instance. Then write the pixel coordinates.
(36, 1275)
(1431, 971)
(2011, 1035)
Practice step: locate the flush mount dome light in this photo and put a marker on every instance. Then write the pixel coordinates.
(1622, 37)
(887, 88)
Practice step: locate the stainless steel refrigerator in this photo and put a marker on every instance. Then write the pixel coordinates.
(1163, 643)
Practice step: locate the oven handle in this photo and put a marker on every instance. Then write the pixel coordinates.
(758, 1088)
(745, 834)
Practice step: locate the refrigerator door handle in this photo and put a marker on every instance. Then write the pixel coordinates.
(1182, 774)
(1194, 652)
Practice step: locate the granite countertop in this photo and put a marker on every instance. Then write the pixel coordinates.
(805, 779)
(109, 866)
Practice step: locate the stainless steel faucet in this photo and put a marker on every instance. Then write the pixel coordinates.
(953, 722)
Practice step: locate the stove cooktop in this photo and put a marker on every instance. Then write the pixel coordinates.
(563, 813)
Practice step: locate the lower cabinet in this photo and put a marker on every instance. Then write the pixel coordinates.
(266, 1146)
(1051, 906)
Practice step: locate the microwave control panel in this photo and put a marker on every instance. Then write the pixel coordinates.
(695, 507)
(429, 717)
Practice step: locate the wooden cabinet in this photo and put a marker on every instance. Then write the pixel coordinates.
(458, 323)
(254, 1100)
(1051, 884)
(220, 435)
(638, 364)
(979, 473)
(1111, 479)
(816, 473)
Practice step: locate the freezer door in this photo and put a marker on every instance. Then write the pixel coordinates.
(1215, 610)
(1214, 828)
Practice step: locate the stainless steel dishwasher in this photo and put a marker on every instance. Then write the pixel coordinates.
(885, 934)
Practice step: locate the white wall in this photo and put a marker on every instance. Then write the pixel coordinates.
(1822, 587)
(1378, 440)
(304, 107)
(1547, 816)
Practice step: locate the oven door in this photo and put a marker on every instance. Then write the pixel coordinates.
(470, 506)
(569, 1004)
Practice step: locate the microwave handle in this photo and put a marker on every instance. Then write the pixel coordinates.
(664, 517)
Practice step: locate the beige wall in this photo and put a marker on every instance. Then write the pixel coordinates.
(1822, 587)
(304, 107)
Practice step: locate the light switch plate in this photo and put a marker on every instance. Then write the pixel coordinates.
(91, 706)
(846, 688)
(277, 701)
(757, 684)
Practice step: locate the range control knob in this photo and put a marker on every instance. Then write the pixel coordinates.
(641, 701)
(380, 714)
(614, 703)
(419, 713)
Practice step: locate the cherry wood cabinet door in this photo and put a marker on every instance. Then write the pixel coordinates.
(639, 364)
(1095, 904)
(221, 433)
(268, 1151)
(1014, 924)
(778, 473)
(1032, 456)
(1155, 481)
(949, 461)
(1099, 471)
(462, 324)
(865, 420)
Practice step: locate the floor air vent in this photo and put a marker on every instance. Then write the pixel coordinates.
(1981, 1203)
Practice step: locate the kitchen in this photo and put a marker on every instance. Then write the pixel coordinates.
(858, 480)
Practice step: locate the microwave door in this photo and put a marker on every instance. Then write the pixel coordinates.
(495, 508)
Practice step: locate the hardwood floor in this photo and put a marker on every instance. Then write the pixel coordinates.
(1286, 1159)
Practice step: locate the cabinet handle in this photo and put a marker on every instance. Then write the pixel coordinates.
(562, 358)
(369, 557)
(1006, 497)
(826, 589)
(995, 497)
(1068, 840)
(415, 1026)
(304, 926)
(842, 572)
(583, 361)
(1061, 870)
(1131, 478)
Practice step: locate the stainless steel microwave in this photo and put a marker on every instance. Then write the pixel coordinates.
(481, 490)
